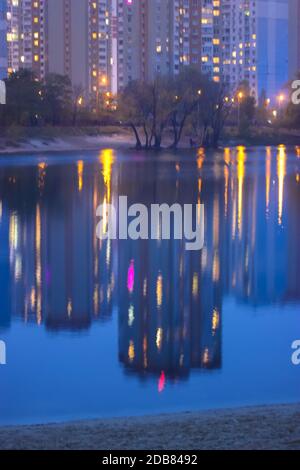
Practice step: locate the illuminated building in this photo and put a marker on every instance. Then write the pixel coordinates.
(3, 43)
(68, 37)
(294, 37)
(229, 42)
(272, 46)
(156, 38)
(27, 36)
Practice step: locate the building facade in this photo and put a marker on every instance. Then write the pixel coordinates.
(229, 34)
(294, 37)
(102, 45)
(272, 46)
(155, 37)
(3, 43)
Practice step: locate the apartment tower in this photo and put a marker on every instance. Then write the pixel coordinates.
(3, 43)
(294, 38)
(229, 42)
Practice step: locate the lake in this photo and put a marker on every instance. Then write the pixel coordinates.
(104, 328)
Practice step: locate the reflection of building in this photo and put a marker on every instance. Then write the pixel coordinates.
(5, 279)
(169, 307)
(55, 272)
(60, 273)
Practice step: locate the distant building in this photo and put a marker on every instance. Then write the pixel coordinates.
(3, 43)
(229, 42)
(155, 37)
(272, 46)
(294, 38)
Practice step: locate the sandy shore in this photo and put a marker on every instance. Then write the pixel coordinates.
(69, 143)
(276, 427)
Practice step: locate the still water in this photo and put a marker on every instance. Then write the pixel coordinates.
(108, 328)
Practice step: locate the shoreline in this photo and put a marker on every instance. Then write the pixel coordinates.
(265, 427)
(115, 140)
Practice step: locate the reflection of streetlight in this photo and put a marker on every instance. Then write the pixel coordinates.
(80, 101)
(274, 113)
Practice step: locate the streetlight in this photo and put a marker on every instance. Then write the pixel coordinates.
(281, 99)
(240, 97)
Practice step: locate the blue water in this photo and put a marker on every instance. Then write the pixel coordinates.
(112, 328)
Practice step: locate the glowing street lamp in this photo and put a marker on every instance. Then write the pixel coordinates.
(240, 97)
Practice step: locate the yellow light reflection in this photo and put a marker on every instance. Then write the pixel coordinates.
(215, 321)
(131, 351)
(159, 291)
(268, 177)
(107, 159)
(38, 271)
(281, 172)
(227, 155)
(13, 231)
(241, 158)
(200, 158)
(80, 168)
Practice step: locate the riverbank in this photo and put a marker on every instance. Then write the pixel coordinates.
(67, 142)
(44, 140)
(273, 427)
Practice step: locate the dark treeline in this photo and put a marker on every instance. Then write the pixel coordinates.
(53, 102)
(159, 113)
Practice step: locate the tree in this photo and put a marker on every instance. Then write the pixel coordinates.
(187, 89)
(57, 99)
(211, 114)
(24, 103)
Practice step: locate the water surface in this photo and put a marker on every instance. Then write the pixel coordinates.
(107, 328)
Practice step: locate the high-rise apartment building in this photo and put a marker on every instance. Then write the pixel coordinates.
(272, 46)
(104, 44)
(3, 44)
(156, 37)
(229, 42)
(69, 37)
(26, 35)
(294, 37)
(78, 44)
